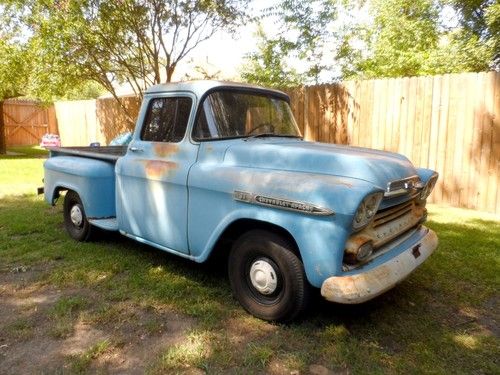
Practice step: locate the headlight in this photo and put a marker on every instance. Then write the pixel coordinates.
(429, 186)
(366, 210)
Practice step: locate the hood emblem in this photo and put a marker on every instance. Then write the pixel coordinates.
(403, 186)
(284, 204)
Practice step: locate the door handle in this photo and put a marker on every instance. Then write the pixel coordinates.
(135, 149)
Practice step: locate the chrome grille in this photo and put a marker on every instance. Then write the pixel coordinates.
(392, 213)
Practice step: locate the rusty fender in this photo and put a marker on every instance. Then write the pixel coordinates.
(363, 286)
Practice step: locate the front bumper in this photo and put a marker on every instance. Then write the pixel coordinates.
(361, 287)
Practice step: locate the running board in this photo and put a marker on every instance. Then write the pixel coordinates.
(106, 224)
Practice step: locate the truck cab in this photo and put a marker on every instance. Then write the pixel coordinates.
(216, 165)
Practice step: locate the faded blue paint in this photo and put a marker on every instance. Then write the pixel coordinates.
(155, 175)
(93, 180)
(179, 197)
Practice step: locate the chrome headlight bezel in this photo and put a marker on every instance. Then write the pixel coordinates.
(429, 186)
(366, 210)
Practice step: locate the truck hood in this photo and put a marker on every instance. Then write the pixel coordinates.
(377, 167)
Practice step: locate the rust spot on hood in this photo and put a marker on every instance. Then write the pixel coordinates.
(165, 149)
(158, 168)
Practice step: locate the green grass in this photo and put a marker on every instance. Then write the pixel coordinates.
(80, 363)
(442, 319)
(21, 173)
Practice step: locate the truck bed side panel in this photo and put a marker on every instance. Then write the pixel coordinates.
(92, 179)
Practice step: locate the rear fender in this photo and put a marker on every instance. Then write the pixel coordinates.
(93, 180)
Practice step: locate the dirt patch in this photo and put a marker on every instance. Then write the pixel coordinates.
(44, 329)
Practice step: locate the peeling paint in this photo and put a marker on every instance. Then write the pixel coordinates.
(165, 149)
(157, 168)
(318, 270)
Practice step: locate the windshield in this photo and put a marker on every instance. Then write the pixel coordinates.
(232, 114)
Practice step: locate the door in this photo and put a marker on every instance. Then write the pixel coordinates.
(152, 195)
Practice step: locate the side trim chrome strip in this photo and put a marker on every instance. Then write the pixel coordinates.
(284, 204)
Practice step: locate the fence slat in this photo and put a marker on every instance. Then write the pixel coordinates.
(490, 198)
(496, 140)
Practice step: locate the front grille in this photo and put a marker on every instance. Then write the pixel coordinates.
(391, 213)
(390, 222)
(389, 226)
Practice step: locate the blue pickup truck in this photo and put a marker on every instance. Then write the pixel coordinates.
(215, 166)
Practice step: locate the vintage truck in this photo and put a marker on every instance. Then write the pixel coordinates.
(215, 166)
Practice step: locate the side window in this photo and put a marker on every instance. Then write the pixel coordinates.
(166, 120)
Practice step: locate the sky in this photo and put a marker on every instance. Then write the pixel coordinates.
(225, 52)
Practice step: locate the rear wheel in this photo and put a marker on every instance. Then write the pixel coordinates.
(267, 277)
(75, 220)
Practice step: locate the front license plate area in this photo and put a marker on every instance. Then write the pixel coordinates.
(416, 251)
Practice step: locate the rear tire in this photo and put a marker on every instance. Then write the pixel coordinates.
(75, 220)
(267, 277)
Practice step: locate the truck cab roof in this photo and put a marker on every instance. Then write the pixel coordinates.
(201, 87)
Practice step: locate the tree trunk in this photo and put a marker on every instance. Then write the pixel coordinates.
(3, 147)
(170, 72)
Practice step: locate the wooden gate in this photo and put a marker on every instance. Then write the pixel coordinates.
(27, 121)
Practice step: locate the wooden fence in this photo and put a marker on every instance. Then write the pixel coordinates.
(85, 121)
(27, 121)
(449, 123)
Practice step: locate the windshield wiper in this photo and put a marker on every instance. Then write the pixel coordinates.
(263, 135)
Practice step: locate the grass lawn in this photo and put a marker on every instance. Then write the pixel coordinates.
(21, 171)
(117, 306)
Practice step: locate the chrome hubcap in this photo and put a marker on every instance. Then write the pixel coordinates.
(263, 277)
(76, 216)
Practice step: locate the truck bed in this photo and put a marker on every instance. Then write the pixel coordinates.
(111, 153)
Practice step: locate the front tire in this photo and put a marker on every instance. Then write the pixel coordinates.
(267, 277)
(75, 220)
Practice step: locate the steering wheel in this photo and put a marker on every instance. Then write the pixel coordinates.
(271, 128)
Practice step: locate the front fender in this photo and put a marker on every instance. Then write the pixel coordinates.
(321, 239)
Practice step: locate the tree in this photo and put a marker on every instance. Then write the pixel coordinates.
(409, 37)
(399, 38)
(267, 67)
(397, 43)
(480, 21)
(13, 73)
(305, 35)
(139, 42)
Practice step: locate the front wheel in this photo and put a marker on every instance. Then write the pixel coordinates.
(75, 220)
(267, 277)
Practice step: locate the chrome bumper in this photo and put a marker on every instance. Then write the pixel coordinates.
(361, 287)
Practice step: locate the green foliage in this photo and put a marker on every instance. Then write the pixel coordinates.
(29, 66)
(138, 42)
(408, 38)
(267, 67)
(399, 41)
(334, 39)
(13, 70)
(304, 37)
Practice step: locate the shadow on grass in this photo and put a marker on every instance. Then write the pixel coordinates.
(443, 318)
